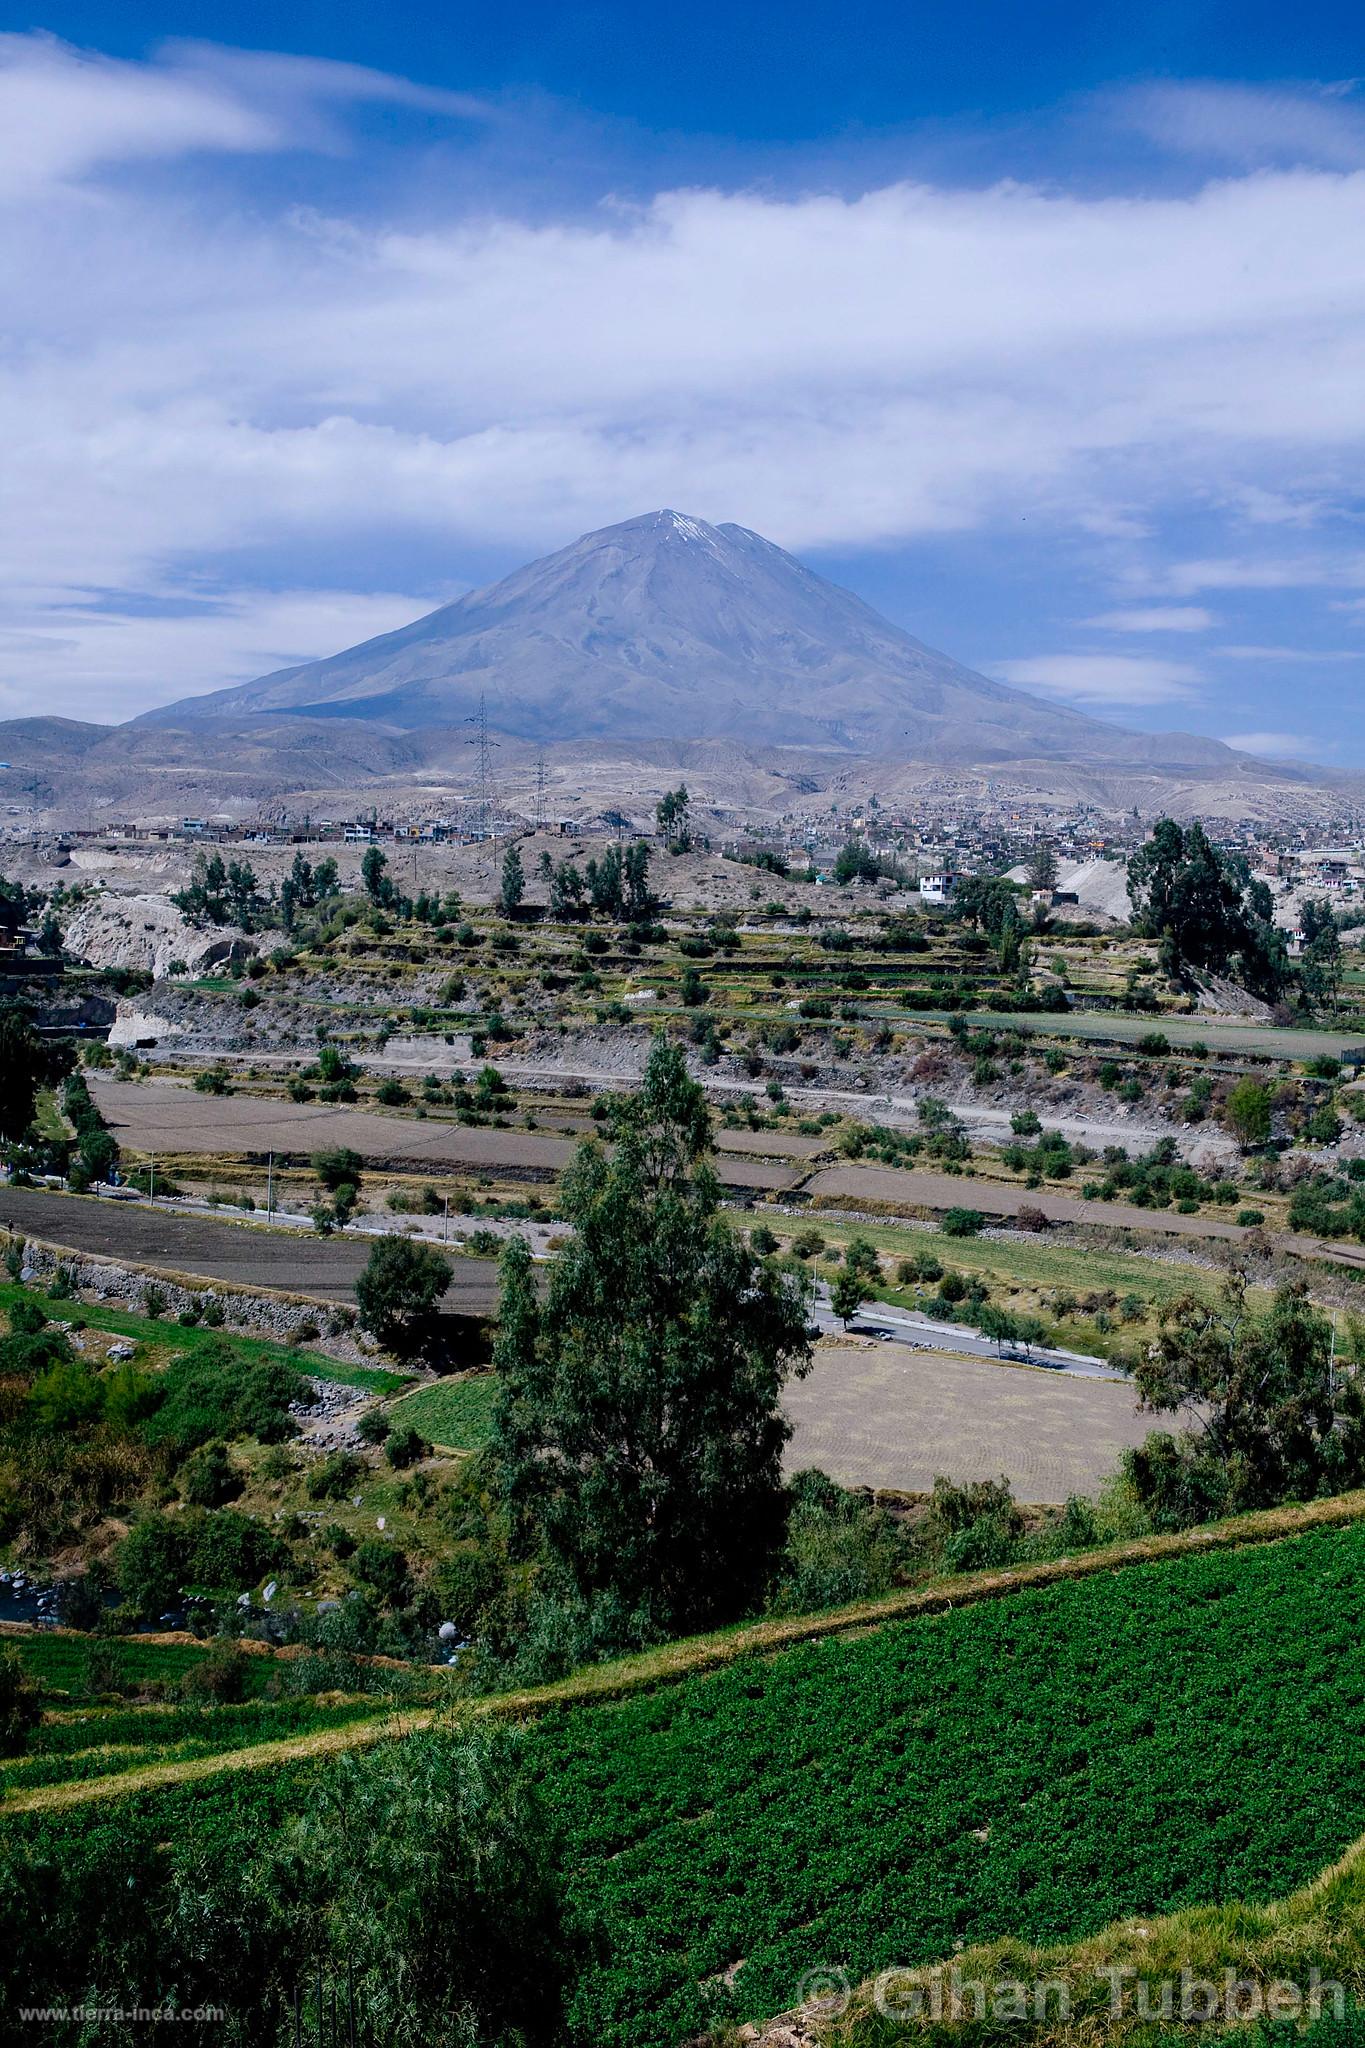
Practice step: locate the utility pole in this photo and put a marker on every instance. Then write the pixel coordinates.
(540, 791)
(488, 816)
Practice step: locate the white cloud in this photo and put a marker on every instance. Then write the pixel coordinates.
(1252, 125)
(1156, 618)
(183, 376)
(64, 112)
(1308, 654)
(1294, 572)
(1280, 746)
(104, 665)
(1104, 678)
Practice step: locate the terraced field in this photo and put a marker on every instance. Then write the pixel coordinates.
(1036, 1767)
(176, 1123)
(109, 1742)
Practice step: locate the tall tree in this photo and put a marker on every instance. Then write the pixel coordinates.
(399, 1292)
(638, 1438)
(674, 815)
(373, 873)
(513, 885)
(566, 890)
(1042, 867)
(27, 1063)
(1269, 1415)
(1321, 969)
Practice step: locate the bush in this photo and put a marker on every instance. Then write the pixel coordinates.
(973, 1526)
(20, 1704)
(384, 1571)
(839, 1548)
(334, 1477)
(963, 1223)
(213, 1392)
(209, 1478)
(221, 1551)
(405, 1446)
(338, 1168)
(220, 1679)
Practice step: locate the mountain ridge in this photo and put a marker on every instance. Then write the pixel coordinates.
(664, 627)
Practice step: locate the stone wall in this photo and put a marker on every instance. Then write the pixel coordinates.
(258, 1312)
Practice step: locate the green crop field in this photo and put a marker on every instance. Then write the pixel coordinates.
(457, 1414)
(103, 1742)
(1038, 1766)
(1166, 1735)
(60, 1662)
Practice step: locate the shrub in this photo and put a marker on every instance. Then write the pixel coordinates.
(963, 1223)
(209, 1478)
(218, 1679)
(384, 1570)
(334, 1477)
(972, 1526)
(405, 1446)
(214, 1392)
(20, 1704)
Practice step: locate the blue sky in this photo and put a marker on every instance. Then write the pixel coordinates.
(1043, 328)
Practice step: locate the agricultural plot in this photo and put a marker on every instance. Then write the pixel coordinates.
(909, 1189)
(173, 1123)
(240, 1255)
(109, 1742)
(1261, 1041)
(887, 1417)
(457, 1415)
(1035, 1767)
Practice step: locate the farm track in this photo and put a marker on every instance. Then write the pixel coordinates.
(676, 1662)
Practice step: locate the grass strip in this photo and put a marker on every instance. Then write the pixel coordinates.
(174, 1336)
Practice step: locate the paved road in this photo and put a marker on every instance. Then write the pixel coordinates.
(883, 1416)
(921, 1333)
(243, 1255)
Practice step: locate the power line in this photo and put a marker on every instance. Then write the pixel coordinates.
(488, 822)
